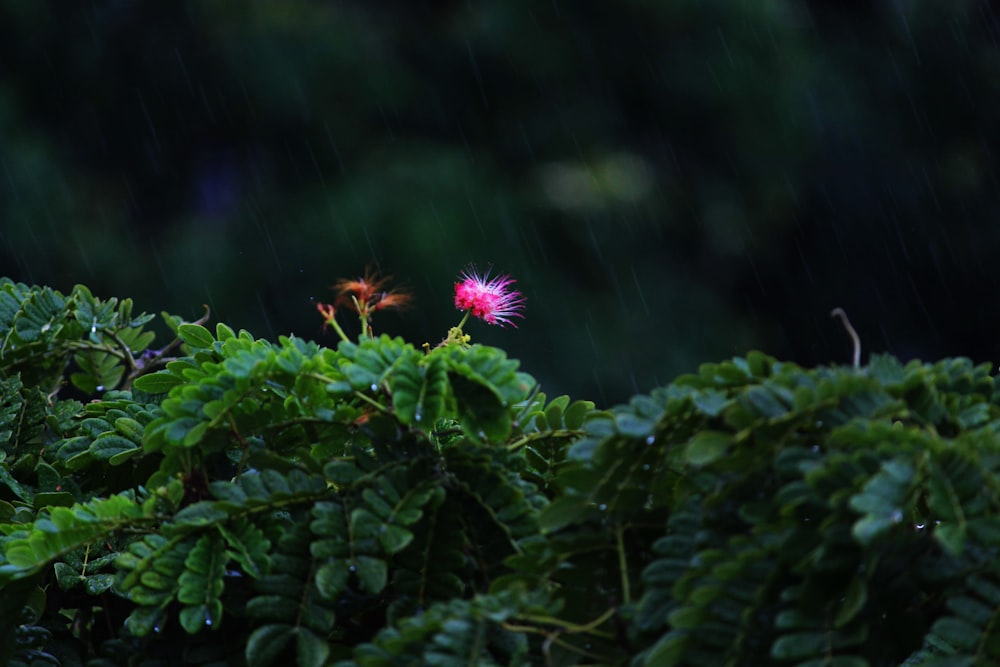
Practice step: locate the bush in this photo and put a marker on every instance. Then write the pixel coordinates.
(230, 500)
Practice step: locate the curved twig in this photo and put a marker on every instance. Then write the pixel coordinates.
(839, 312)
(150, 360)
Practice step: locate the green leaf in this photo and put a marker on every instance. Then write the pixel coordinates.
(882, 499)
(66, 576)
(195, 335)
(195, 435)
(313, 651)
(111, 444)
(711, 402)
(122, 457)
(481, 409)
(331, 578)
(707, 447)
(198, 617)
(200, 514)
(418, 388)
(372, 573)
(364, 524)
(247, 545)
(160, 382)
(854, 601)
(799, 645)
(267, 644)
(669, 651)
(957, 632)
(576, 413)
(951, 536)
(98, 584)
(143, 620)
(560, 513)
(201, 583)
(54, 499)
(394, 538)
(554, 412)
(342, 472)
(224, 332)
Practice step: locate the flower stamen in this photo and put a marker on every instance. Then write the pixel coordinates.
(492, 300)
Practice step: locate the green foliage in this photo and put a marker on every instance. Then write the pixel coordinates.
(269, 503)
(44, 330)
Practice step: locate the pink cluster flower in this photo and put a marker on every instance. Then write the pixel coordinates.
(490, 299)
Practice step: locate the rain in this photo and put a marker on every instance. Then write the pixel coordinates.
(669, 183)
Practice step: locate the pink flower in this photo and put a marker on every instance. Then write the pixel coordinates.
(490, 299)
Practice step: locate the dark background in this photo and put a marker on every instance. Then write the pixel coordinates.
(671, 182)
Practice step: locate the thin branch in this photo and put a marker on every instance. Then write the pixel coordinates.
(543, 435)
(622, 562)
(150, 360)
(839, 312)
(572, 628)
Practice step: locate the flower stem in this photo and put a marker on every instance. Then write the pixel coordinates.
(455, 334)
(622, 562)
(569, 626)
(336, 327)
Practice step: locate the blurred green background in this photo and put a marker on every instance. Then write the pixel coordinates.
(670, 181)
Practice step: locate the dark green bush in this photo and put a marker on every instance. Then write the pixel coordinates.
(229, 500)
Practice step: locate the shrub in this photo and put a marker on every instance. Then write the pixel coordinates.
(230, 500)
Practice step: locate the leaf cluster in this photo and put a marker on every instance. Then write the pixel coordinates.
(259, 503)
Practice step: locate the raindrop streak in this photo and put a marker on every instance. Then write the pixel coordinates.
(267, 318)
(477, 73)
(319, 170)
(638, 290)
(149, 121)
(266, 233)
(159, 263)
(184, 71)
(333, 145)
